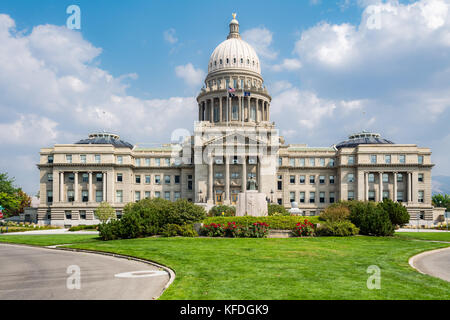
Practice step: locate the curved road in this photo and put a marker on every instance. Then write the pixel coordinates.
(40, 273)
(435, 263)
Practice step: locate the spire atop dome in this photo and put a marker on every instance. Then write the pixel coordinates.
(234, 28)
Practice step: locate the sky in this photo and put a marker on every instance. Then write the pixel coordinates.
(134, 68)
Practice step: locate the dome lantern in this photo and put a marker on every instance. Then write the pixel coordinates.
(234, 28)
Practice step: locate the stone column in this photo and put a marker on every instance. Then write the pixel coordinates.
(257, 111)
(244, 173)
(366, 191)
(75, 186)
(220, 109)
(259, 167)
(104, 185)
(227, 179)
(410, 182)
(240, 108)
(210, 179)
(61, 186)
(381, 186)
(394, 196)
(90, 187)
(211, 110)
(199, 112)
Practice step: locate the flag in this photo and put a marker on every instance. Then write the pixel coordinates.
(246, 94)
(231, 92)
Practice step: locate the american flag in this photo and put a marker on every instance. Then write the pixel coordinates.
(231, 92)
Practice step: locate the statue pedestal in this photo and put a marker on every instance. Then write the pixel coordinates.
(252, 203)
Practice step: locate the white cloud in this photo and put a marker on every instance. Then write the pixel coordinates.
(261, 40)
(287, 65)
(169, 36)
(191, 76)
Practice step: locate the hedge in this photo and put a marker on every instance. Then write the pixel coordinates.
(274, 222)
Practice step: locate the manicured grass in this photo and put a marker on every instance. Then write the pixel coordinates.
(435, 236)
(294, 268)
(48, 240)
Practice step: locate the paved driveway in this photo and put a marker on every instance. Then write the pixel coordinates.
(435, 263)
(40, 273)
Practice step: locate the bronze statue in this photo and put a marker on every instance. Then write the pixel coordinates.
(252, 184)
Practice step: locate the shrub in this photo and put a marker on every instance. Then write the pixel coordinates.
(335, 213)
(275, 222)
(370, 219)
(304, 229)
(213, 230)
(185, 212)
(234, 230)
(105, 212)
(173, 230)
(337, 228)
(258, 230)
(398, 214)
(277, 210)
(84, 227)
(222, 211)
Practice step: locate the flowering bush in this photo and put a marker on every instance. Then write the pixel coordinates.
(258, 230)
(234, 230)
(305, 229)
(213, 230)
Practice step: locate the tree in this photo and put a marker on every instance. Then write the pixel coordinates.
(10, 203)
(397, 213)
(6, 184)
(105, 212)
(441, 200)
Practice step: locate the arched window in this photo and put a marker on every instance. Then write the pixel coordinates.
(248, 61)
(253, 113)
(215, 63)
(234, 60)
(220, 61)
(228, 61)
(242, 60)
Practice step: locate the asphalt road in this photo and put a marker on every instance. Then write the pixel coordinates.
(42, 274)
(435, 263)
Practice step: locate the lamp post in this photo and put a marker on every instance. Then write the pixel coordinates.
(271, 196)
(200, 196)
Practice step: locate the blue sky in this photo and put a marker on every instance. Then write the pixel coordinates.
(135, 68)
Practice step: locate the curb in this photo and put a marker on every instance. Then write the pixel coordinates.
(171, 273)
(420, 255)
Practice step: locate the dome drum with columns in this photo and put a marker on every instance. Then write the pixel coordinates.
(234, 64)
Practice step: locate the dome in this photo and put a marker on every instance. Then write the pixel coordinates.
(106, 138)
(234, 53)
(363, 138)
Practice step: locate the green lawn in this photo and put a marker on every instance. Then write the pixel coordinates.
(294, 268)
(435, 236)
(48, 240)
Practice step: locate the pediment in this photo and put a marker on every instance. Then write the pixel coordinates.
(236, 138)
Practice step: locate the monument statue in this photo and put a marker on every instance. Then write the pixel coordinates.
(252, 185)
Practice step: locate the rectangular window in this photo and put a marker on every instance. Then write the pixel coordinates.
(385, 177)
(119, 177)
(280, 162)
(167, 161)
(97, 158)
(167, 179)
(235, 112)
(235, 175)
(292, 162)
(322, 197)
(312, 179)
(68, 158)
(138, 179)
(400, 196)
(157, 162)
(176, 195)
(302, 179)
(71, 177)
(157, 179)
(420, 159)
(252, 160)
(218, 175)
(83, 158)
(70, 196)
(49, 196)
(371, 195)
(49, 159)
(157, 194)
(312, 197)
(331, 163)
(399, 177)
(147, 194)
(292, 179)
(147, 179)
(332, 197)
(371, 177)
(350, 177)
(82, 214)
(373, 159)
(401, 158)
(385, 195)
(98, 196)
(351, 195)
(68, 214)
(177, 179)
(351, 160)
(322, 162)
(137, 162)
(50, 177)
(167, 195)
(99, 177)
(322, 179)
(331, 179)
(387, 159)
(119, 214)
(302, 197)
(147, 162)
(421, 196)
(119, 160)
(301, 162)
(137, 196)
(84, 196)
(292, 196)
(420, 177)
(119, 196)
(312, 162)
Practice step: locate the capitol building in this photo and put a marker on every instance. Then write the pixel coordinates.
(233, 141)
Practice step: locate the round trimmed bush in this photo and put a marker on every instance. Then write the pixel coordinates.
(337, 229)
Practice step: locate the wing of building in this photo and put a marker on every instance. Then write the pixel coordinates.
(233, 141)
